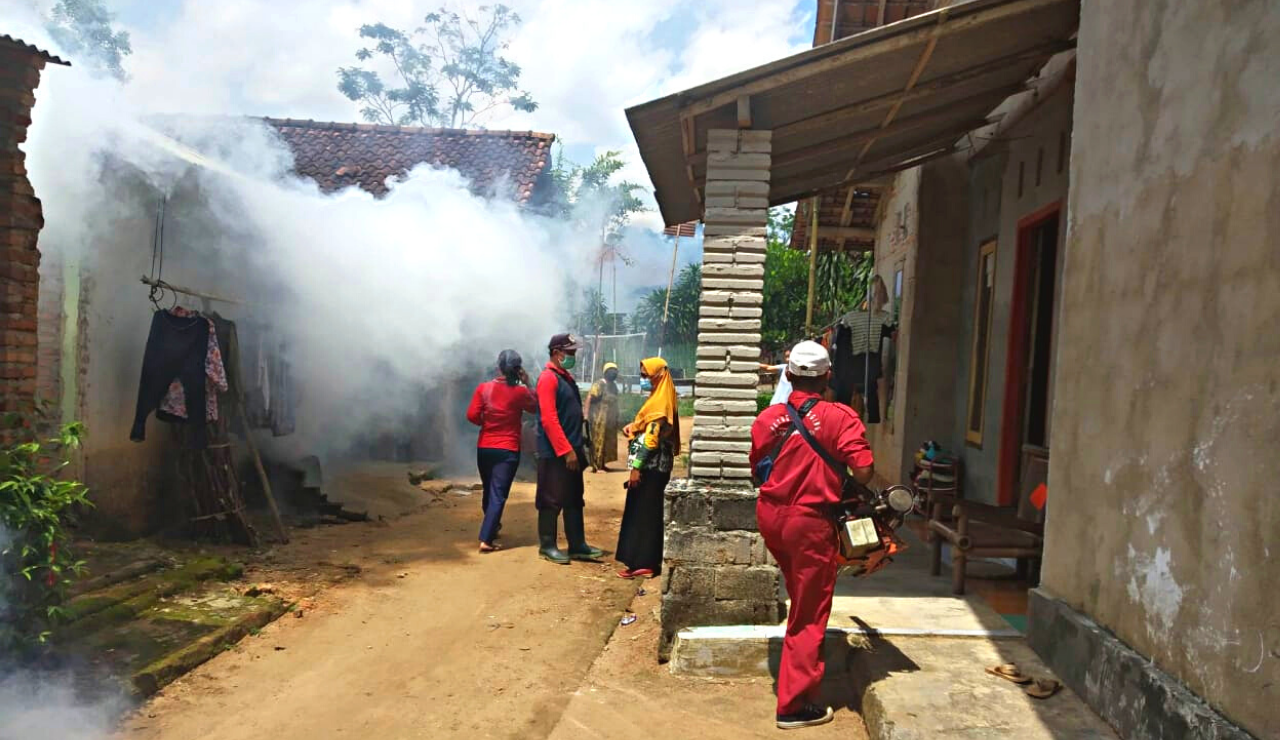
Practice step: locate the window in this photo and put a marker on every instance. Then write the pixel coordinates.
(979, 357)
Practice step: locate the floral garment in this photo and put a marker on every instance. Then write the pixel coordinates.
(175, 401)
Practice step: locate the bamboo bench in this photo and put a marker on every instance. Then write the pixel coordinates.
(976, 530)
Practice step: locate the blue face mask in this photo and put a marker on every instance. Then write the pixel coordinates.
(645, 384)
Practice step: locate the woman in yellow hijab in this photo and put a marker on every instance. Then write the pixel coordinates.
(654, 444)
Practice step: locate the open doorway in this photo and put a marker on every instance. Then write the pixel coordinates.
(1024, 429)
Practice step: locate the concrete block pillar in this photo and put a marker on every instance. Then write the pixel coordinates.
(716, 568)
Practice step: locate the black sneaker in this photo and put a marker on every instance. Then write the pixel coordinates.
(810, 716)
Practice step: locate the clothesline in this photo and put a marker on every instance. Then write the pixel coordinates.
(187, 291)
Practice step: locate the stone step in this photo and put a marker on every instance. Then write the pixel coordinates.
(252, 614)
(93, 610)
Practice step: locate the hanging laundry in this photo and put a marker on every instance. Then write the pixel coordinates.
(270, 396)
(177, 349)
(174, 406)
(229, 342)
(856, 361)
(282, 400)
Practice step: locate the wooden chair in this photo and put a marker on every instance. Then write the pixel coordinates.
(977, 530)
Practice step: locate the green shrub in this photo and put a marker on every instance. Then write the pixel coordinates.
(36, 503)
(762, 400)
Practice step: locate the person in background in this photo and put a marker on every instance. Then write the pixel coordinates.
(561, 456)
(782, 389)
(654, 444)
(602, 412)
(497, 407)
(793, 513)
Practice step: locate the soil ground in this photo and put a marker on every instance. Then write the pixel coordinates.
(432, 639)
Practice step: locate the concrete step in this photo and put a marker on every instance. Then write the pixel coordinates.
(145, 632)
(97, 609)
(744, 651)
(918, 688)
(239, 618)
(911, 684)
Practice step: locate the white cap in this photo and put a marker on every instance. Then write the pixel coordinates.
(809, 359)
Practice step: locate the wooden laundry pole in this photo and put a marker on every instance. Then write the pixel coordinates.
(239, 404)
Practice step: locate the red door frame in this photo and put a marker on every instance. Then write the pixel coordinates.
(1013, 407)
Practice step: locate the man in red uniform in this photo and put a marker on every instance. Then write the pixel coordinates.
(795, 520)
(561, 456)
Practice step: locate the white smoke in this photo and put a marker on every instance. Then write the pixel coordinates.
(379, 298)
(32, 706)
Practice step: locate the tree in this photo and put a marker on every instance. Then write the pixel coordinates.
(449, 72)
(590, 311)
(682, 317)
(589, 197)
(83, 29)
(840, 284)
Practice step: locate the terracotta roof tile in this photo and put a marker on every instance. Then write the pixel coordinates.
(338, 155)
(862, 213)
(8, 40)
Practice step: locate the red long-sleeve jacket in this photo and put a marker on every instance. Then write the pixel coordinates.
(800, 476)
(496, 408)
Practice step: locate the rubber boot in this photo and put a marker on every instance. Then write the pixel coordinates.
(547, 547)
(575, 532)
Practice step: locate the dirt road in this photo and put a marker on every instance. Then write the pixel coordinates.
(432, 640)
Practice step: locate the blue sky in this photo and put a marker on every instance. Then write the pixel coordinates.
(584, 61)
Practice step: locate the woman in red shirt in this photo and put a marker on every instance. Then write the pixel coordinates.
(497, 407)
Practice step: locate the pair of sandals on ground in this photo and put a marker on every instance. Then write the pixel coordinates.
(1036, 688)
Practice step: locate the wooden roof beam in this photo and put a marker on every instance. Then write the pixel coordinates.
(875, 44)
(916, 73)
(787, 190)
(846, 232)
(834, 118)
(985, 103)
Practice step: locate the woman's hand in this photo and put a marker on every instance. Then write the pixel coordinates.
(524, 376)
(634, 480)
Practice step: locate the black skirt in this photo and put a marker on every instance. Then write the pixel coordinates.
(558, 486)
(640, 538)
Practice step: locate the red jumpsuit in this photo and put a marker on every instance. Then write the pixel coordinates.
(799, 533)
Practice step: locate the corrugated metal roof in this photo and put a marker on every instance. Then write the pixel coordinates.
(7, 39)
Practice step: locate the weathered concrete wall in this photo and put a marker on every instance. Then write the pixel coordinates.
(985, 187)
(896, 237)
(935, 357)
(1030, 179)
(1162, 506)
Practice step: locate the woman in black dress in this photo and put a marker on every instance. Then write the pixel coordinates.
(654, 444)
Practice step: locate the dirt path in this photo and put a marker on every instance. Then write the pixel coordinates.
(432, 640)
(628, 695)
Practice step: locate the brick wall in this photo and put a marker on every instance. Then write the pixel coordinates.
(21, 218)
(49, 320)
